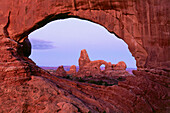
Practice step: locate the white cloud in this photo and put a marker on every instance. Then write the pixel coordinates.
(42, 44)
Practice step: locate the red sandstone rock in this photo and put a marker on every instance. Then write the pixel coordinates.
(92, 68)
(142, 24)
(60, 71)
(42, 91)
(13, 67)
(120, 66)
(67, 108)
(72, 70)
(84, 58)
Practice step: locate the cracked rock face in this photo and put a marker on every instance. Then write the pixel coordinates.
(142, 24)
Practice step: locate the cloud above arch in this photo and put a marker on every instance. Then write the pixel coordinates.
(38, 44)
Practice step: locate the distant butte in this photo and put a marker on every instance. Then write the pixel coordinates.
(142, 24)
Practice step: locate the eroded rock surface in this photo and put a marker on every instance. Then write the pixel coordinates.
(72, 70)
(119, 66)
(84, 59)
(92, 68)
(13, 67)
(60, 71)
(67, 108)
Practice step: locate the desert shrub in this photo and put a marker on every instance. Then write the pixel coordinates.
(92, 82)
(96, 82)
(120, 78)
(68, 77)
(89, 76)
(81, 80)
(99, 83)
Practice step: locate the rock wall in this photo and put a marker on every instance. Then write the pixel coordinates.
(142, 24)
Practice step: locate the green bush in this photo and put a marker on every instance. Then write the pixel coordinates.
(81, 80)
(68, 77)
(99, 83)
(120, 78)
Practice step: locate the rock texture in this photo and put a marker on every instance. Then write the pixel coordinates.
(84, 59)
(72, 70)
(120, 66)
(13, 67)
(92, 68)
(61, 72)
(142, 24)
(67, 108)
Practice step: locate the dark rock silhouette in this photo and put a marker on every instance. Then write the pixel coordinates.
(26, 47)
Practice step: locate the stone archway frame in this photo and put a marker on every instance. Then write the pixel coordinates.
(142, 24)
(97, 63)
(119, 18)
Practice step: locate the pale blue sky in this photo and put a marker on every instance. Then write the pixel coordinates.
(60, 42)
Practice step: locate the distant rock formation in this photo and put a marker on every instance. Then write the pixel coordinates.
(84, 59)
(119, 66)
(92, 68)
(60, 71)
(72, 70)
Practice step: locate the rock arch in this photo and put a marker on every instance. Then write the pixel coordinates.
(102, 67)
(120, 18)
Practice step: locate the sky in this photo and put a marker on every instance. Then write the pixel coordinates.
(60, 43)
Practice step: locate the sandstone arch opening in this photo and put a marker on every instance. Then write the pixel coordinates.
(102, 67)
(60, 35)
